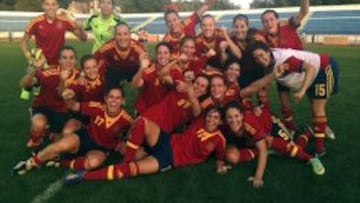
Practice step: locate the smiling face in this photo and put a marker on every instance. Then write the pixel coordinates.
(106, 7)
(163, 55)
(122, 36)
(234, 119)
(50, 7)
(233, 72)
(208, 27)
(217, 88)
(262, 57)
(67, 59)
(212, 120)
(113, 101)
(270, 23)
(240, 29)
(91, 69)
(173, 22)
(188, 48)
(201, 85)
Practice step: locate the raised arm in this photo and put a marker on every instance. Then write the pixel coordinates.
(228, 44)
(137, 81)
(194, 102)
(304, 10)
(25, 46)
(204, 7)
(164, 73)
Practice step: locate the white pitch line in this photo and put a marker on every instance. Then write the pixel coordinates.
(50, 192)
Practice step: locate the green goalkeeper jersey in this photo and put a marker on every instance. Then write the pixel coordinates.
(103, 29)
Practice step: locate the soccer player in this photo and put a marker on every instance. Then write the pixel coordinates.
(102, 24)
(211, 38)
(305, 72)
(90, 144)
(166, 151)
(152, 89)
(232, 73)
(48, 108)
(178, 29)
(283, 34)
(176, 108)
(49, 30)
(120, 56)
(252, 132)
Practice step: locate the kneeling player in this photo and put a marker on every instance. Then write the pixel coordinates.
(89, 144)
(193, 146)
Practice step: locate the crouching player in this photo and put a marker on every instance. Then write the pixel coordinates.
(305, 72)
(89, 144)
(166, 151)
(255, 131)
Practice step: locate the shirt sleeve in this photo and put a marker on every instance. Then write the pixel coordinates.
(295, 64)
(89, 108)
(253, 126)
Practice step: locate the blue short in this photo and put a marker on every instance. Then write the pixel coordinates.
(162, 152)
(55, 120)
(325, 83)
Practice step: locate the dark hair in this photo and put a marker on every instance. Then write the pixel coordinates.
(241, 17)
(269, 11)
(163, 43)
(122, 23)
(186, 38)
(85, 58)
(64, 48)
(170, 11)
(231, 61)
(258, 45)
(215, 108)
(201, 75)
(219, 76)
(232, 105)
(115, 87)
(207, 16)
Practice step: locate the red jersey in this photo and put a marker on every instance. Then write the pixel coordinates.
(153, 90)
(230, 95)
(286, 38)
(173, 110)
(103, 129)
(48, 96)
(196, 144)
(49, 36)
(203, 45)
(93, 90)
(187, 28)
(125, 60)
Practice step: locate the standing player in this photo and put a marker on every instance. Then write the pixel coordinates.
(89, 144)
(166, 151)
(178, 29)
(102, 24)
(48, 30)
(283, 34)
(120, 56)
(305, 72)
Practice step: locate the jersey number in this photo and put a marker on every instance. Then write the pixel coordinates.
(320, 90)
(99, 121)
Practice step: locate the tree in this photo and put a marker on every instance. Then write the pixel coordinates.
(28, 5)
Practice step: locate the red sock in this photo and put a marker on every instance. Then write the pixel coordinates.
(37, 161)
(288, 119)
(280, 146)
(247, 155)
(78, 163)
(302, 155)
(112, 172)
(136, 138)
(289, 149)
(303, 139)
(319, 125)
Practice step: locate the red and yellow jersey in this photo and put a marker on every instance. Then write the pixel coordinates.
(49, 36)
(49, 97)
(287, 36)
(230, 95)
(153, 90)
(188, 29)
(93, 90)
(103, 129)
(173, 110)
(203, 45)
(126, 60)
(196, 144)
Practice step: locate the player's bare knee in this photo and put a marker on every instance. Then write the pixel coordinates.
(232, 155)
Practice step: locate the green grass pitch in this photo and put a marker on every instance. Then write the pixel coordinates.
(286, 180)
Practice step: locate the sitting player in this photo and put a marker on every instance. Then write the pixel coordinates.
(252, 132)
(166, 151)
(88, 146)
